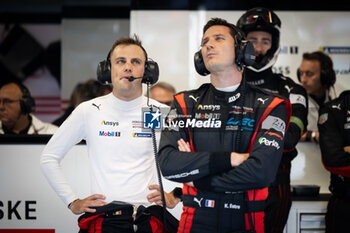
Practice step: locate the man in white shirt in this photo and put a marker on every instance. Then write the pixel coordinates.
(121, 154)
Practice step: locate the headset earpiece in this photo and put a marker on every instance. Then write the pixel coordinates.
(104, 70)
(244, 53)
(328, 76)
(199, 64)
(150, 75)
(27, 102)
(298, 75)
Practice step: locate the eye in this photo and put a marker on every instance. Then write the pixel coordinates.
(136, 61)
(120, 61)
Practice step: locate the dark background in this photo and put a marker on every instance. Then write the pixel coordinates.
(52, 11)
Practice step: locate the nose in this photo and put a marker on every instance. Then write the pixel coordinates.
(209, 45)
(128, 67)
(303, 78)
(258, 48)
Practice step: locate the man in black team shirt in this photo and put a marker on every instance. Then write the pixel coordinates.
(223, 140)
(262, 27)
(334, 128)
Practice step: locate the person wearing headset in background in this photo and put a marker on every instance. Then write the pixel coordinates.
(163, 92)
(334, 128)
(317, 76)
(262, 27)
(121, 157)
(16, 107)
(227, 138)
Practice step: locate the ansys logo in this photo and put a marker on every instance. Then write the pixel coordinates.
(111, 123)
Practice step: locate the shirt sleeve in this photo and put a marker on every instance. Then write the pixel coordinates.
(68, 134)
(331, 127)
(298, 120)
(259, 170)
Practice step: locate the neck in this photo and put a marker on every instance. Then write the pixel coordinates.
(127, 96)
(320, 94)
(21, 124)
(226, 79)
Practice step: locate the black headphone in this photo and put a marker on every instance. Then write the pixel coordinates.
(26, 102)
(150, 75)
(244, 53)
(327, 76)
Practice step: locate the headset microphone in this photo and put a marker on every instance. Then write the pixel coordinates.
(132, 78)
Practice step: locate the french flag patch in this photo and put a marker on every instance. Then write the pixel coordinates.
(209, 203)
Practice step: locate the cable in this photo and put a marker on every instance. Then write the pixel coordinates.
(156, 156)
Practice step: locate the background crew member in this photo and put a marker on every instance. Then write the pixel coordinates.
(334, 128)
(228, 141)
(121, 155)
(16, 108)
(262, 27)
(317, 76)
(163, 92)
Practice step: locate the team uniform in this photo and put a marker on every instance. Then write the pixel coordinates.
(279, 199)
(36, 126)
(121, 155)
(216, 123)
(334, 128)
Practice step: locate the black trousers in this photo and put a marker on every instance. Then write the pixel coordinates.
(118, 217)
(338, 215)
(277, 208)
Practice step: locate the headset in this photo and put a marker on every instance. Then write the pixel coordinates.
(244, 53)
(150, 76)
(26, 102)
(327, 76)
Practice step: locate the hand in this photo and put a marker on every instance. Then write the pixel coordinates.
(183, 146)
(317, 136)
(156, 197)
(238, 158)
(81, 206)
(303, 138)
(347, 149)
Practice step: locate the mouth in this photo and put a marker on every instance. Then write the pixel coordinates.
(209, 55)
(125, 77)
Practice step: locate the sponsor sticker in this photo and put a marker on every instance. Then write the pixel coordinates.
(323, 118)
(276, 123)
(297, 99)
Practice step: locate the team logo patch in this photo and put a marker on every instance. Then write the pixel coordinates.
(297, 99)
(152, 120)
(323, 118)
(276, 123)
(234, 98)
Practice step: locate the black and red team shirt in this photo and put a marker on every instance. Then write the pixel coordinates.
(278, 84)
(334, 128)
(217, 123)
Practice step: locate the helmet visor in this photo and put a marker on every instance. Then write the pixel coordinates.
(260, 15)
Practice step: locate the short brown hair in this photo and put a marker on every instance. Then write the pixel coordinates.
(128, 41)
